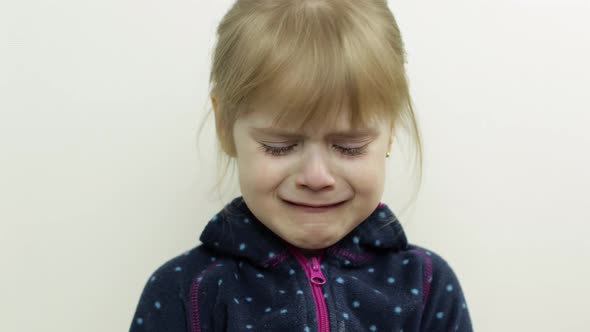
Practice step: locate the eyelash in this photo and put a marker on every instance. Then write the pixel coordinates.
(279, 151)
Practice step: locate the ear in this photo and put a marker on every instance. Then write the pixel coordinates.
(391, 135)
(229, 150)
(218, 126)
(214, 102)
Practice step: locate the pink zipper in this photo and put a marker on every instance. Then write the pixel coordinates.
(316, 279)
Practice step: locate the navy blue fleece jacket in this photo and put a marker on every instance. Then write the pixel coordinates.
(243, 277)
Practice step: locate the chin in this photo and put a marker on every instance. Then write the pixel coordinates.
(312, 242)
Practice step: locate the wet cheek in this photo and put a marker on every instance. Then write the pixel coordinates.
(367, 176)
(261, 173)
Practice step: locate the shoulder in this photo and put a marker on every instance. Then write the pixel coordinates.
(437, 271)
(432, 259)
(162, 303)
(177, 272)
(445, 306)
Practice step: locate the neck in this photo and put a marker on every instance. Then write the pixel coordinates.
(310, 252)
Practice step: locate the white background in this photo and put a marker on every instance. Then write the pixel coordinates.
(101, 180)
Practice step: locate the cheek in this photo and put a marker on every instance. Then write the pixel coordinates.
(260, 172)
(367, 176)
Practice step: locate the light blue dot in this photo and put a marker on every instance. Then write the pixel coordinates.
(236, 276)
(414, 291)
(219, 265)
(325, 296)
(439, 315)
(271, 254)
(213, 259)
(428, 253)
(347, 262)
(464, 306)
(178, 269)
(449, 287)
(291, 272)
(405, 261)
(355, 278)
(345, 315)
(153, 279)
(240, 264)
(267, 309)
(214, 218)
(306, 329)
(355, 239)
(373, 328)
(186, 253)
(356, 304)
(377, 243)
(157, 305)
(242, 246)
(339, 280)
(248, 299)
(283, 311)
(219, 282)
(397, 310)
(236, 301)
(259, 275)
(282, 291)
(300, 292)
(246, 220)
(381, 214)
(371, 270)
(248, 326)
(139, 321)
(377, 291)
(391, 280)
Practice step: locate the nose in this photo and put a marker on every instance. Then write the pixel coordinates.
(315, 172)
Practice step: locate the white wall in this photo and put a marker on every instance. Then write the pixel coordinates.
(101, 180)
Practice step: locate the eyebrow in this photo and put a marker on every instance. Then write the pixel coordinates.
(363, 132)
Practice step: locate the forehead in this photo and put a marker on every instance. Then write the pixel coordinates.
(260, 124)
(264, 120)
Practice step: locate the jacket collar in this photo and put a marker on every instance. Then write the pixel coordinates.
(236, 231)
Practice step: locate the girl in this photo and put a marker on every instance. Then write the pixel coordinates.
(306, 95)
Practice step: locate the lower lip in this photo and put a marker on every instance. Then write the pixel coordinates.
(311, 209)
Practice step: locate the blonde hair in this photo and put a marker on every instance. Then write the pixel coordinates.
(310, 57)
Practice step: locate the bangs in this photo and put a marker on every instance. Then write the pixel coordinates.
(313, 70)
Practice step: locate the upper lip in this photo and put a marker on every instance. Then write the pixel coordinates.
(314, 205)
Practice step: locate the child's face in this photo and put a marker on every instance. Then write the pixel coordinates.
(316, 171)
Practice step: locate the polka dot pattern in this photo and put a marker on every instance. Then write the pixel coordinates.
(375, 281)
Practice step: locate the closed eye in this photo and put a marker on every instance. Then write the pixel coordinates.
(283, 150)
(277, 151)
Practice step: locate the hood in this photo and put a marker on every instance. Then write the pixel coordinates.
(236, 231)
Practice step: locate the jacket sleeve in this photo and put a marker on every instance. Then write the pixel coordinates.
(160, 307)
(445, 309)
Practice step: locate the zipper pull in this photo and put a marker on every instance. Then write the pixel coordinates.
(316, 273)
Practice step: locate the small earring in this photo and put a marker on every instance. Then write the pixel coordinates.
(387, 154)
